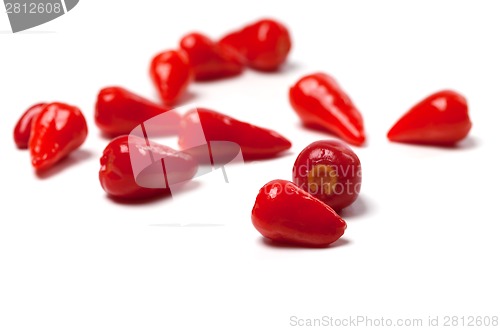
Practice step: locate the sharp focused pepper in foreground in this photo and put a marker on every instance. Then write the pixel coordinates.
(22, 131)
(264, 44)
(171, 74)
(330, 171)
(118, 111)
(210, 60)
(157, 167)
(55, 132)
(285, 213)
(255, 142)
(440, 119)
(321, 103)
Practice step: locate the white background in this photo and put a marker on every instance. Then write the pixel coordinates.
(422, 239)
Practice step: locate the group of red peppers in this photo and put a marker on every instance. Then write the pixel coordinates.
(326, 174)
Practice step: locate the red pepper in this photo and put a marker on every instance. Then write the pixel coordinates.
(22, 131)
(330, 171)
(118, 111)
(440, 119)
(171, 74)
(264, 44)
(57, 130)
(321, 103)
(255, 142)
(157, 167)
(287, 214)
(210, 60)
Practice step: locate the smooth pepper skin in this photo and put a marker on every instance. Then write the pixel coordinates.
(440, 119)
(287, 214)
(210, 60)
(255, 142)
(264, 44)
(330, 171)
(118, 111)
(171, 74)
(117, 176)
(56, 131)
(321, 103)
(22, 130)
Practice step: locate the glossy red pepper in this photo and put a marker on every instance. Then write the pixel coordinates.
(321, 103)
(440, 119)
(330, 171)
(210, 60)
(118, 111)
(55, 132)
(171, 74)
(156, 166)
(22, 131)
(287, 214)
(264, 44)
(255, 142)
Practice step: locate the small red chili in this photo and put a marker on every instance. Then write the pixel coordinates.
(55, 132)
(264, 44)
(171, 74)
(22, 131)
(330, 171)
(440, 119)
(321, 103)
(285, 213)
(255, 142)
(210, 60)
(118, 111)
(156, 166)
